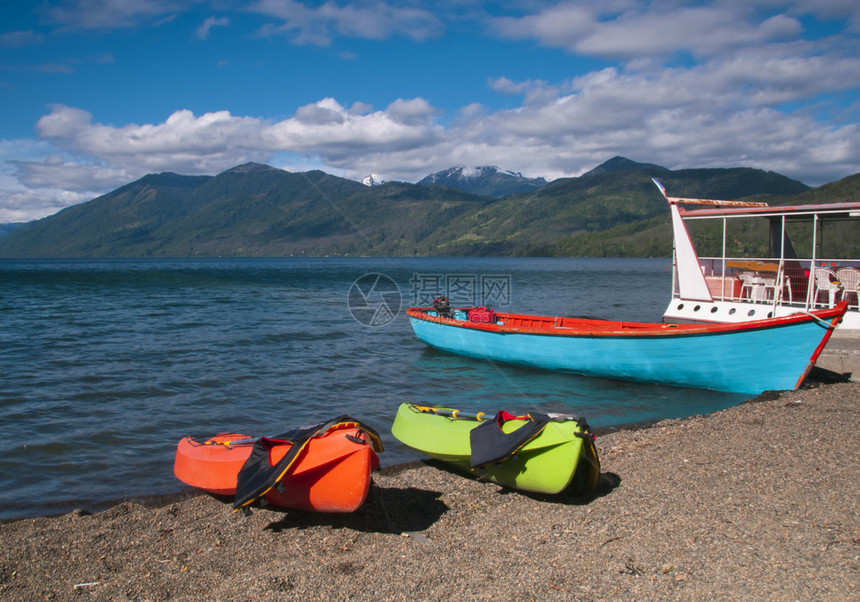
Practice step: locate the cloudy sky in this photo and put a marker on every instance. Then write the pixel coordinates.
(97, 93)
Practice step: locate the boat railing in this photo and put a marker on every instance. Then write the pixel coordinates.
(802, 283)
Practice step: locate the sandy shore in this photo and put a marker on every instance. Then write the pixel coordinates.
(761, 501)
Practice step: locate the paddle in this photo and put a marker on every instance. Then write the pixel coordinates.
(555, 417)
(451, 413)
(231, 443)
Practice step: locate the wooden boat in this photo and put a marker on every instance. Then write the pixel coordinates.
(330, 473)
(561, 454)
(748, 357)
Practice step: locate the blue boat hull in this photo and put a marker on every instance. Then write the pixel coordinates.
(769, 355)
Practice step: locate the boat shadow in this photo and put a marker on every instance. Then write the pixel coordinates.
(386, 510)
(606, 483)
(412, 510)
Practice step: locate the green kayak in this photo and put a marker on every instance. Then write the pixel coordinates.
(539, 453)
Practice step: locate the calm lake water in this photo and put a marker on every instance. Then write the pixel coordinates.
(105, 365)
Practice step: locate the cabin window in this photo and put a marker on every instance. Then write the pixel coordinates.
(732, 311)
(751, 313)
(697, 308)
(714, 310)
(680, 306)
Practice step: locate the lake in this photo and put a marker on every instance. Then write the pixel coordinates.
(106, 364)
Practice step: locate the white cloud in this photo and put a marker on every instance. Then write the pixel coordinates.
(340, 135)
(828, 9)
(183, 143)
(78, 178)
(325, 112)
(318, 25)
(22, 199)
(656, 29)
(17, 39)
(209, 23)
(413, 112)
(533, 91)
(24, 205)
(561, 25)
(701, 31)
(509, 87)
(110, 14)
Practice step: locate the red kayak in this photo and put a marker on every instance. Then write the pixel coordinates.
(331, 473)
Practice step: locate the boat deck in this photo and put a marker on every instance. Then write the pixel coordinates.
(549, 324)
(589, 327)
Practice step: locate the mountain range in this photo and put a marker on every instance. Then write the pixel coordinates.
(256, 210)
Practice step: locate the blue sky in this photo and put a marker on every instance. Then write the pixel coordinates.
(97, 93)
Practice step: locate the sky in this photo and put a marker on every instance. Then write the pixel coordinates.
(95, 94)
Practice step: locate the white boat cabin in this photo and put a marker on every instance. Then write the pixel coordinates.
(808, 257)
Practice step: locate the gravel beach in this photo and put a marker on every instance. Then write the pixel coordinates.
(757, 502)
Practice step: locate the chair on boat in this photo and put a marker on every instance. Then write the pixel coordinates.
(769, 286)
(746, 284)
(826, 282)
(850, 279)
(757, 288)
(786, 288)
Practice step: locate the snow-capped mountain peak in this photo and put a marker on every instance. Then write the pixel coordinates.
(487, 180)
(372, 180)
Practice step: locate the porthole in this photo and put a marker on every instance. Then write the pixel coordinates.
(714, 309)
(732, 311)
(697, 308)
(770, 314)
(751, 313)
(680, 306)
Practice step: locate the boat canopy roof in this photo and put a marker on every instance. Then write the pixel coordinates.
(717, 209)
(794, 212)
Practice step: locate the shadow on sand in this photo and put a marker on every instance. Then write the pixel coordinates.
(387, 510)
(606, 483)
